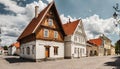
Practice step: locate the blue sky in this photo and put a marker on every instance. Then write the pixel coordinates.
(96, 15)
(76, 8)
(86, 8)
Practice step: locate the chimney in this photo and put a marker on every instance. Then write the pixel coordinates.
(36, 11)
(69, 20)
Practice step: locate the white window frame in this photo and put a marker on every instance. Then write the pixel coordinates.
(75, 38)
(55, 34)
(75, 50)
(23, 50)
(50, 22)
(33, 48)
(28, 50)
(56, 50)
(46, 33)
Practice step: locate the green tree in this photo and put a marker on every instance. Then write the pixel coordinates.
(5, 48)
(117, 47)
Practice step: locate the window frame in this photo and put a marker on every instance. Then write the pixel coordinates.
(55, 34)
(75, 38)
(28, 50)
(23, 50)
(56, 50)
(33, 48)
(75, 50)
(50, 22)
(46, 33)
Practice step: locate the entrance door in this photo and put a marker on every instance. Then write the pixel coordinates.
(46, 52)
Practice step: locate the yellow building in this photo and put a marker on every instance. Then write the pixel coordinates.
(91, 49)
(112, 50)
(106, 44)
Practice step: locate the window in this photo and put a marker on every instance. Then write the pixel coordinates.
(75, 38)
(55, 34)
(23, 50)
(83, 41)
(33, 48)
(50, 22)
(75, 50)
(46, 33)
(55, 50)
(83, 51)
(79, 39)
(28, 50)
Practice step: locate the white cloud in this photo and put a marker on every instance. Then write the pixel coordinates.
(12, 6)
(13, 25)
(49, 1)
(95, 26)
(66, 19)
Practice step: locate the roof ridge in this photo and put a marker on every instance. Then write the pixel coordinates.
(35, 20)
(72, 21)
(69, 28)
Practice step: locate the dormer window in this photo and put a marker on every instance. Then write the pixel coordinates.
(50, 22)
(46, 33)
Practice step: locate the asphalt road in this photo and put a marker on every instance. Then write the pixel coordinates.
(98, 62)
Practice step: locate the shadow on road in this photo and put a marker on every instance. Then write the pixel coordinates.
(16, 59)
(115, 63)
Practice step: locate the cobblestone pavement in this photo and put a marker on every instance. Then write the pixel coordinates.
(98, 62)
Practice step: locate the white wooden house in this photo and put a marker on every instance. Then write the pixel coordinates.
(14, 49)
(75, 41)
(43, 38)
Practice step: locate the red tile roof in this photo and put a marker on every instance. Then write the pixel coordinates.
(33, 24)
(17, 44)
(97, 41)
(69, 28)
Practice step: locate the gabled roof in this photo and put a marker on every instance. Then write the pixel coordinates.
(97, 41)
(34, 24)
(105, 37)
(70, 27)
(17, 44)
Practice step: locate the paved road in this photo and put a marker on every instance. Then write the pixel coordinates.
(98, 62)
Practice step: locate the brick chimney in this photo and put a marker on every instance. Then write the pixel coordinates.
(36, 11)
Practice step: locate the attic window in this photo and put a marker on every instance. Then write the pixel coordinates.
(50, 22)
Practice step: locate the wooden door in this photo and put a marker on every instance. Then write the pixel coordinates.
(47, 52)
